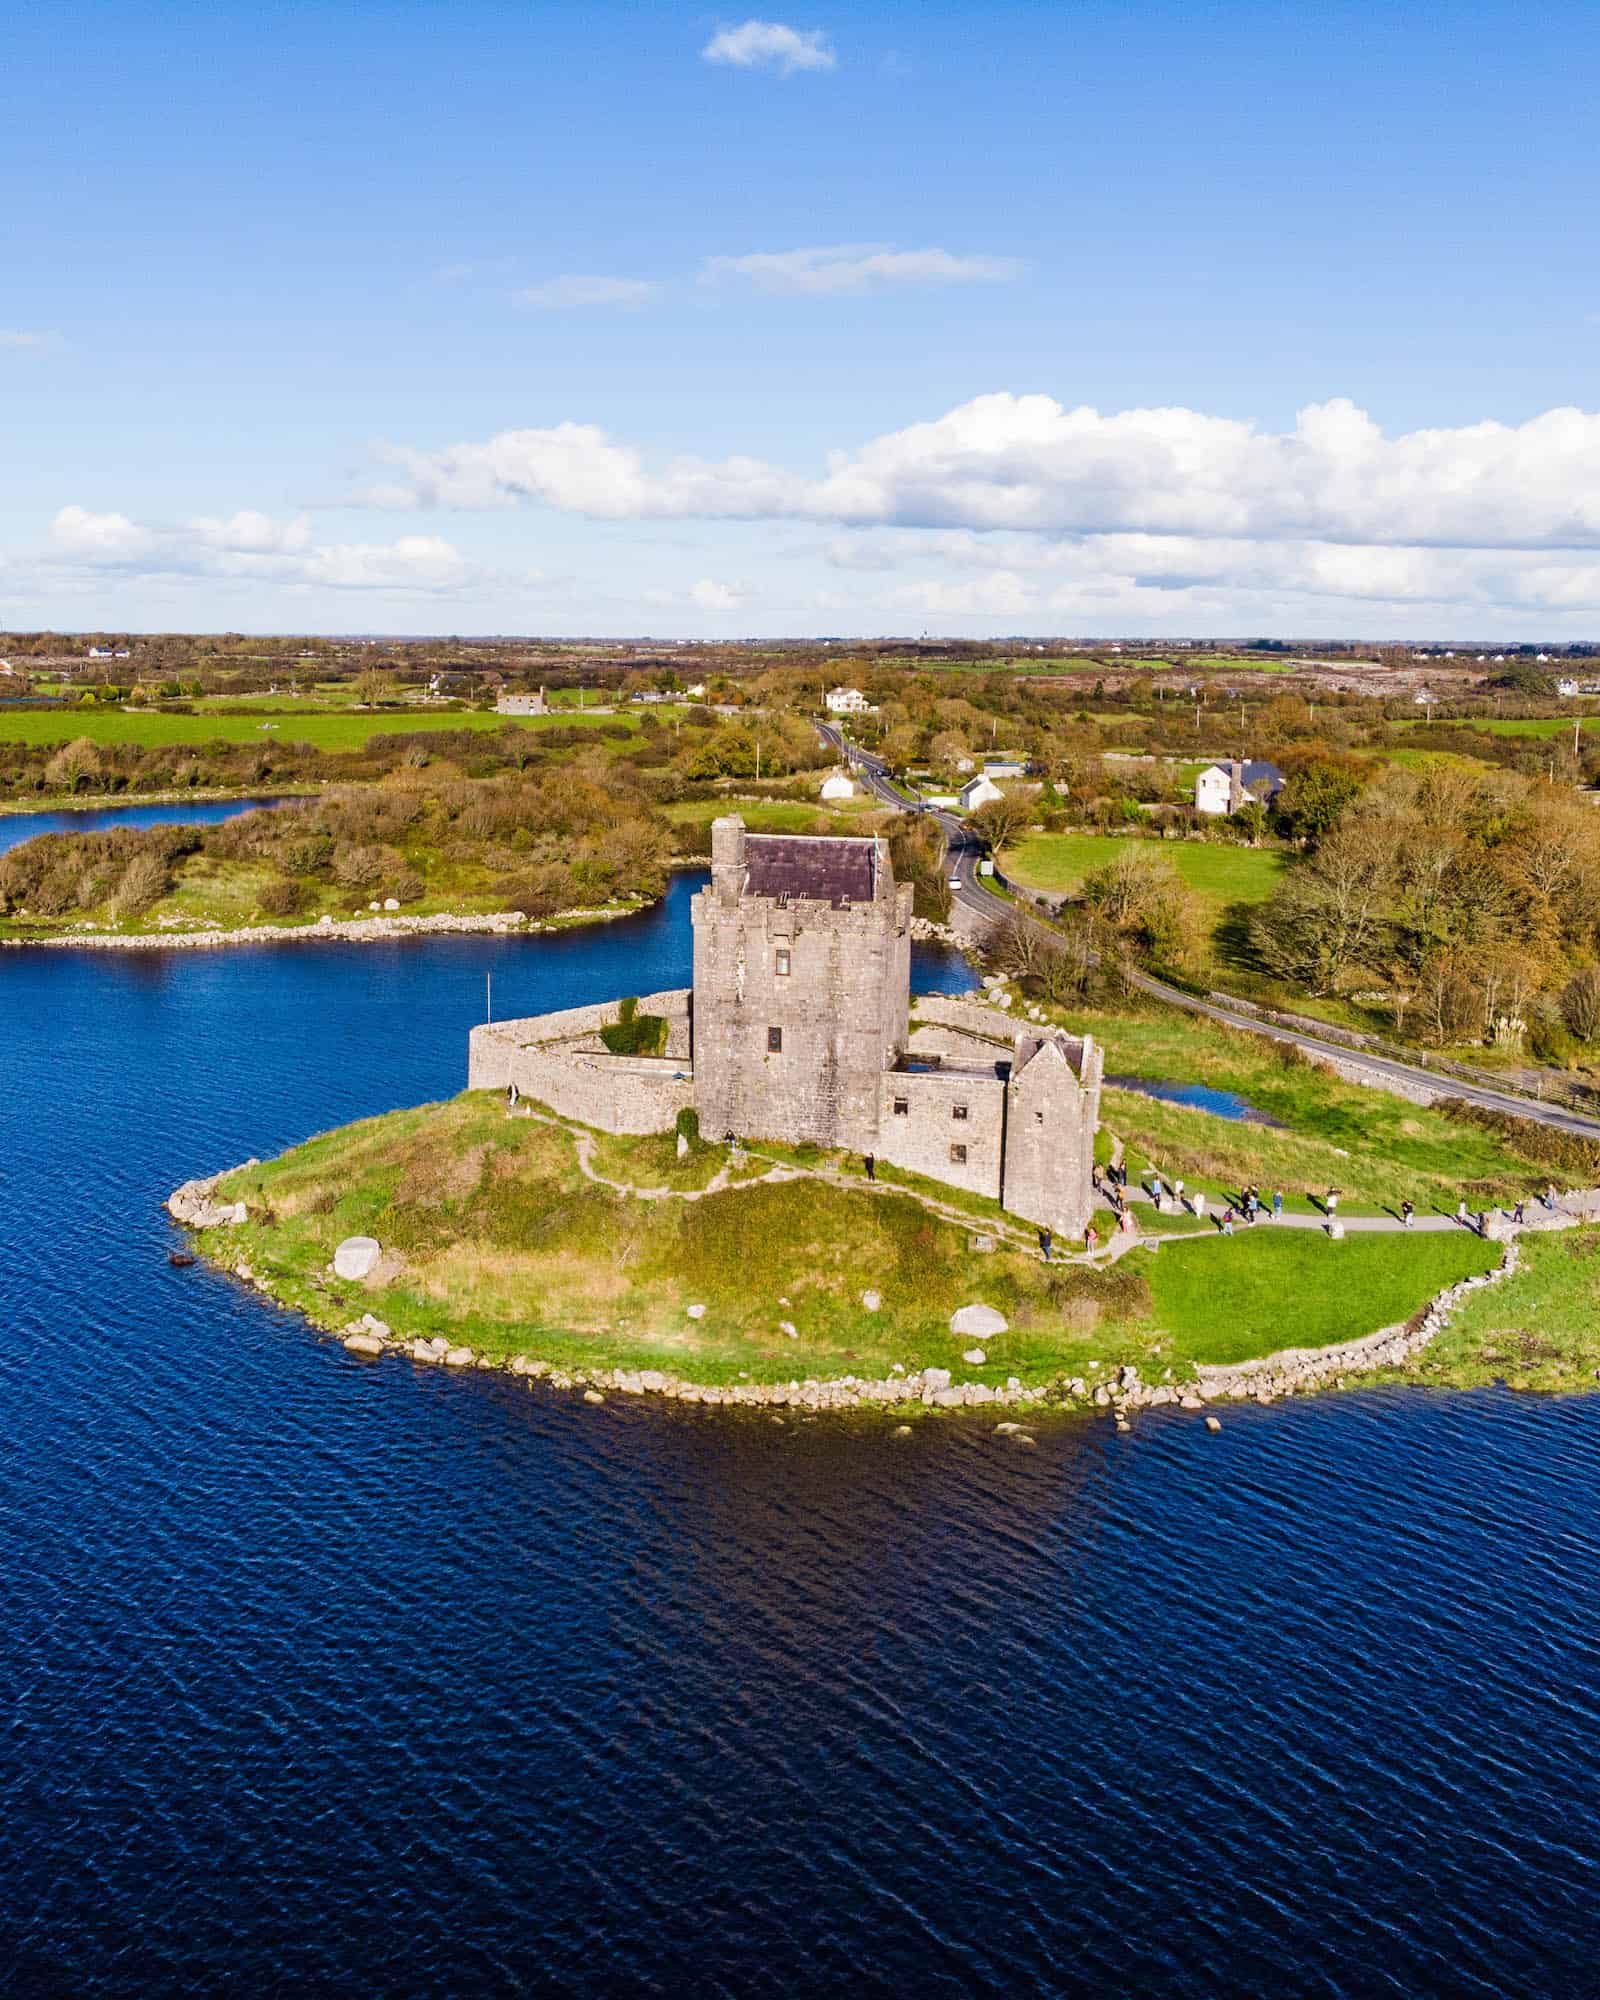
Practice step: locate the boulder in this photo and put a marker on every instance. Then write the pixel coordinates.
(391, 902)
(1213, 1423)
(871, 1301)
(459, 1357)
(363, 1343)
(979, 1322)
(787, 1326)
(593, 1396)
(356, 1256)
(974, 1357)
(934, 1379)
(901, 1431)
(695, 1312)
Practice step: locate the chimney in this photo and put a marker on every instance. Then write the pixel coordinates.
(1235, 785)
(727, 856)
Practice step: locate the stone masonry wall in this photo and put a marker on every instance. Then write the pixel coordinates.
(838, 1013)
(560, 1060)
(1052, 1110)
(920, 1138)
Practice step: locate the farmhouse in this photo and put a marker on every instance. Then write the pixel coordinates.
(798, 1029)
(847, 701)
(1224, 788)
(837, 785)
(978, 791)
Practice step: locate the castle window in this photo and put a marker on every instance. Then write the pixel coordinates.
(958, 1111)
(958, 1156)
(783, 965)
(774, 1041)
(902, 1107)
(1038, 1118)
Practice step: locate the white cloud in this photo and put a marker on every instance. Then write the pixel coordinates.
(252, 547)
(770, 45)
(1030, 464)
(575, 289)
(22, 342)
(710, 595)
(858, 267)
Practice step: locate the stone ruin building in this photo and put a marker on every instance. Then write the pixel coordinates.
(799, 1028)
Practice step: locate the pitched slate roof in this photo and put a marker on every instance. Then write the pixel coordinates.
(823, 868)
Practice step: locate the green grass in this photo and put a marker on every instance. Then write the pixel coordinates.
(323, 729)
(1217, 874)
(1247, 1295)
(1538, 1329)
(508, 1248)
(775, 815)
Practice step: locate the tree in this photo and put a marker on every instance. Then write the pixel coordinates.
(1580, 1003)
(73, 766)
(998, 823)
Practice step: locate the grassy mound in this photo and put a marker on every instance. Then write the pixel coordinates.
(502, 1241)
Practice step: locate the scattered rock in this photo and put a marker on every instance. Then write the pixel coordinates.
(787, 1326)
(593, 1396)
(356, 1256)
(459, 1357)
(180, 1260)
(363, 1343)
(683, 1146)
(983, 1322)
(391, 902)
(901, 1431)
(696, 1312)
(983, 1246)
(974, 1357)
(870, 1300)
(934, 1379)
(1213, 1423)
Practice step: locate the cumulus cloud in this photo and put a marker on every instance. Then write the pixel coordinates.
(576, 290)
(858, 267)
(252, 547)
(710, 595)
(1032, 465)
(770, 45)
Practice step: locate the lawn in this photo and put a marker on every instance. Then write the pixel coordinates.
(777, 815)
(1251, 1294)
(324, 729)
(1218, 874)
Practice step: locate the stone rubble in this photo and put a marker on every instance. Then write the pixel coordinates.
(193, 1206)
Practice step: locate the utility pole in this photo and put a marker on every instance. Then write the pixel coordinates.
(488, 998)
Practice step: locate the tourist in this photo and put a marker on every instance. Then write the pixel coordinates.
(1461, 1211)
(1332, 1200)
(1156, 1189)
(1227, 1222)
(1408, 1213)
(1199, 1203)
(1046, 1243)
(1091, 1240)
(1519, 1213)
(1277, 1205)
(512, 1095)
(1125, 1221)
(1483, 1223)
(1177, 1190)
(872, 1167)
(1550, 1197)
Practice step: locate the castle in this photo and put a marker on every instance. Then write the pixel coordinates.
(798, 1028)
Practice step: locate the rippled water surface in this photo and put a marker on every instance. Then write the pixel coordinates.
(330, 1678)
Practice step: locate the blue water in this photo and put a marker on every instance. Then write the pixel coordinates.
(15, 828)
(327, 1678)
(1199, 1096)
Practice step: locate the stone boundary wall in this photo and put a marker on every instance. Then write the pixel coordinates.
(558, 1059)
(991, 1025)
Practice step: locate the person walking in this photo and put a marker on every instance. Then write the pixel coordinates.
(1227, 1222)
(1177, 1190)
(1408, 1213)
(1046, 1242)
(1277, 1204)
(1156, 1189)
(1199, 1201)
(1332, 1200)
(1461, 1211)
(1091, 1240)
(1519, 1213)
(872, 1167)
(1550, 1197)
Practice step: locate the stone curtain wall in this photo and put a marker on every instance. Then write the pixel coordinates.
(920, 1139)
(560, 1060)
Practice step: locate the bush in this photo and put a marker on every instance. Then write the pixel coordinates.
(283, 897)
(635, 1034)
(1546, 1145)
(688, 1125)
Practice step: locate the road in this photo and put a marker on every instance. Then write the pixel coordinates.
(975, 896)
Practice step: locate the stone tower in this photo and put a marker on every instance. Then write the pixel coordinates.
(802, 978)
(1052, 1111)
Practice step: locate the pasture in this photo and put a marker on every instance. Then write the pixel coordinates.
(1217, 874)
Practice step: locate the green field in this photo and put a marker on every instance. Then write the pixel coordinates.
(1218, 875)
(322, 729)
(1540, 1329)
(775, 815)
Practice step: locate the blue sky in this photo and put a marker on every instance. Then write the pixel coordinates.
(618, 319)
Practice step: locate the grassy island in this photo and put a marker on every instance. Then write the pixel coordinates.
(526, 1235)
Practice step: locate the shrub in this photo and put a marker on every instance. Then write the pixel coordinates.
(283, 897)
(635, 1034)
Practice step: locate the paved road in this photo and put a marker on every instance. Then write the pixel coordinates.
(971, 892)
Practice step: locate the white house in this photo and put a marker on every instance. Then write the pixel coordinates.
(978, 791)
(1223, 788)
(837, 786)
(1003, 767)
(847, 701)
(1424, 698)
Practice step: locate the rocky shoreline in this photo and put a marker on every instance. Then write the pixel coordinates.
(347, 930)
(1289, 1372)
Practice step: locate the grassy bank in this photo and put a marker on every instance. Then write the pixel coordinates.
(499, 1240)
(1217, 874)
(323, 729)
(1540, 1329)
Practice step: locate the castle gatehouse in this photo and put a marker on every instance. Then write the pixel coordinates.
(799, 1028)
